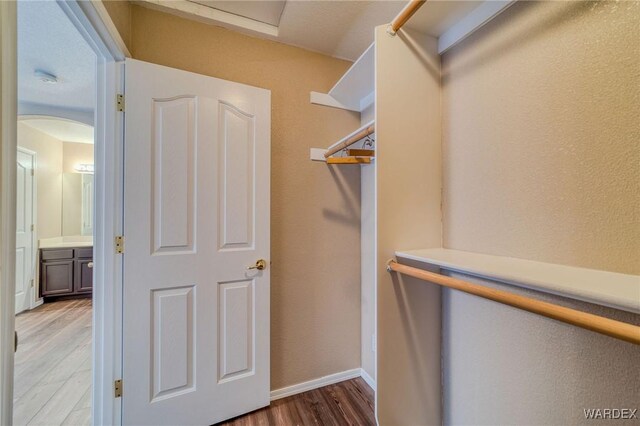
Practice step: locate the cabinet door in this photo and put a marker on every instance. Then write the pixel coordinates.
(84, 275)
(57, 278)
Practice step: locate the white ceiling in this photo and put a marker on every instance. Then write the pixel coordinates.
(436, 16)
(63, 130)
(268, 12)
(339, 28)
(343, 29)
(48, 41)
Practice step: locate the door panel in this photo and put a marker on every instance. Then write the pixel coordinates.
(236, 329)
(236, 165)
(173, 351)
(196, 320)
(173, 159)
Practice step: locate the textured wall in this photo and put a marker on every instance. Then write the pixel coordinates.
(315, 209)
(120, 12)
(541, 160)
(408, 200)
(49, 178)
(541, 131)
(510, 367)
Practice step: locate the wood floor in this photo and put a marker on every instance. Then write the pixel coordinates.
(52, 383)
(345, 403)
(53, 379)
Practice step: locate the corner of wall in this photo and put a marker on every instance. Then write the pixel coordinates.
(408, 190)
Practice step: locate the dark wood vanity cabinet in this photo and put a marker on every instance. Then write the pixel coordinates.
(66, 271)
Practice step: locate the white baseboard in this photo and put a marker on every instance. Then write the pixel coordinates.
(367, 378)
(315, 384)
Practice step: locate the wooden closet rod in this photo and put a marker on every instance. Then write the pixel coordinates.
(405, 14)
(350, 140)
(619, 330)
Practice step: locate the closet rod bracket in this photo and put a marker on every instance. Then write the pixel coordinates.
(389, 262)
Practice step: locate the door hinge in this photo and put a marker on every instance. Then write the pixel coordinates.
(120, 102)
(33, 228)
(117, 388)
(31, 283)
(119, 244)
(33, 172)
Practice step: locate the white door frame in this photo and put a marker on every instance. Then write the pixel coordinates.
(8, 155)
(33, 294)
(95, 26)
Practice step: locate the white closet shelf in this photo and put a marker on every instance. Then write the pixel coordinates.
(620, 291)
(354, 91)
(448, 21)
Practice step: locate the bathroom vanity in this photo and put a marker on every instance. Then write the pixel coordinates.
(66, 269)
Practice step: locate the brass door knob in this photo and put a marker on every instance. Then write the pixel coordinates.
(260, 265)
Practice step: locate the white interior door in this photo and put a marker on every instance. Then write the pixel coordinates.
(196, 320)
(25, 270)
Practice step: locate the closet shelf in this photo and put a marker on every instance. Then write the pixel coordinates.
(449, 22)
(619, 291)
(354, 91)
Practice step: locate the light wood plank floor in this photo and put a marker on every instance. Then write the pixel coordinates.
(345, 403)
(52, 383)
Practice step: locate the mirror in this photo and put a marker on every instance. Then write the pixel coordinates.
(77, 204)
(63, 151)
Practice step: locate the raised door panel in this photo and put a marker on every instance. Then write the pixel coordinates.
(173, 366)
(236, 340)
(173, 175)
(57, 278)
(237, 178)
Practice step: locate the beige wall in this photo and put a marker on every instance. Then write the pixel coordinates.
(541, 161)
(76, 153)
(408, 201)
(48, 178)
(120, 12)
(541, 134)
(315, 209)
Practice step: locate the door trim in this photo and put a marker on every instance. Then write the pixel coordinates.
(34, 300)
(108, 186)
(8, 126)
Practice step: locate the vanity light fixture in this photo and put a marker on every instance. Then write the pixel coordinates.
(84, 168)
(45, 77)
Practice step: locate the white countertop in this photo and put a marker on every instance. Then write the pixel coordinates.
(65, 242)
(620, 291)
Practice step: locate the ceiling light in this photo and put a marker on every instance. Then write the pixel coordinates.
(45, 77)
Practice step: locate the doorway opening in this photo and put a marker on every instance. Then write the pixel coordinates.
(54, 218)
(92, 22)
